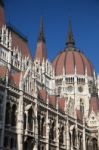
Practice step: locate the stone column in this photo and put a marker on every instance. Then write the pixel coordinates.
(4, 113)
(77, 141)
(84, 140)
(71, 133)
(26, 120)
(64, 136)
(87, 141)
(67, 136)
(57, 133)
(98, 138)
(9, 59)
(36, 127)
(47, 131)
(20, 122)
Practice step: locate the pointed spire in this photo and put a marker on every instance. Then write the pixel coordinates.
(41, 52)
(41, 34)
(70, 40)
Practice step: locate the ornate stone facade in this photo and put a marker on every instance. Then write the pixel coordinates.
(46, 105)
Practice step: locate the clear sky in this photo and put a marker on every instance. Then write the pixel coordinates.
(84, 14)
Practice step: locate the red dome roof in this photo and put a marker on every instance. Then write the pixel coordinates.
(69, 59)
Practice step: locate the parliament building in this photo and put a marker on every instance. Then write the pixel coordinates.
(46, 105)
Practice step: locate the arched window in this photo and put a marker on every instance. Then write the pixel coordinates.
(80, 142)
(95, 146)
(24, 120)
(42, 126)
(13, 115)
(70, 138)
(12, 143)
(81, 106)
(74, 137)
(61, 135)
(30, 118)
(6, 142)
(25, 145)
(52, 131)
(38, 124)
(8, 114)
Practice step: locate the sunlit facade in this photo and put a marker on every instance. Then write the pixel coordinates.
(46, 105)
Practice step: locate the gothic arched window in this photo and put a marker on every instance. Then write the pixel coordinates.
(95, 146)
(61, 136)
(81, 106)
(24, 120)
(42, 126)
(6, 141)
(30, 118)
(12, 143)
(13, 115)
(52, 131)
(74, 137)
(38, 124)
(8, 113)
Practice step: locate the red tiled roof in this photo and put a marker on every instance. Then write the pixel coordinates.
(22, 44)
(52, 100)
(42, 95)
(2, 16)
(14, 79)
(68, 59)
(61, 104)
(79, 115)
(94, 105)
(41, 51)
(3, 71)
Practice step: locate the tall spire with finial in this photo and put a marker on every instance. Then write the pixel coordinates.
(41, 52)
(41, 34)
(70, 40)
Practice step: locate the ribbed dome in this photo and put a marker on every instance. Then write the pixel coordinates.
(68, 60)
(72, 58)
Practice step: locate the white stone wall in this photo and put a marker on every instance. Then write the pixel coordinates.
(98, 84)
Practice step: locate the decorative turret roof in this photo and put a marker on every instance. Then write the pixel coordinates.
(41, 52)
(70, 40)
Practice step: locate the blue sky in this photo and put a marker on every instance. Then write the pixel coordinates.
(84, 14)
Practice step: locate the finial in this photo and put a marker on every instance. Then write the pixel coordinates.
(70, 40)
(41, 35)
